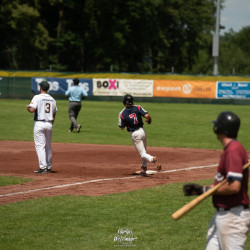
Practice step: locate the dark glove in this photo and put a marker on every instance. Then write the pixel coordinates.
(193, 189)
(148, 119)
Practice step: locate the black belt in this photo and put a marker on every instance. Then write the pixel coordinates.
(75, 101)
(135, 129)
(42, 121)
(221, 209)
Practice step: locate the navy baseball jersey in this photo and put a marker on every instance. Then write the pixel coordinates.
(131, 118)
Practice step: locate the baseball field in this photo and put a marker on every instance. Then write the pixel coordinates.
(93, 200)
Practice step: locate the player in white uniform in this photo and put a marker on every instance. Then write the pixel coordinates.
(44, 108)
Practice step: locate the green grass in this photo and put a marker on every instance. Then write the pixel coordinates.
(67, 222)
(174, 125)
(9, 180)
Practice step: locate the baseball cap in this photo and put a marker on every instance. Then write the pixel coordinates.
(44, 85)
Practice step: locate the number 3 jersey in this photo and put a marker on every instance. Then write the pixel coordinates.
(131, 118)
(45, 106)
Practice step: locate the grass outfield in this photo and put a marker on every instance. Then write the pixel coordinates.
(67, 222)
(174, 125)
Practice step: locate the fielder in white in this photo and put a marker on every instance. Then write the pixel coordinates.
(44, 108)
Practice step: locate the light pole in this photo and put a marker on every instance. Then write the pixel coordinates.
(216, 38)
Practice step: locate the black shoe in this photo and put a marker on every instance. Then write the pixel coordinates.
(41, 171)
(49, 171)
(78, 128)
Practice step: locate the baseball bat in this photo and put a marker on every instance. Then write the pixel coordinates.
(189, 206)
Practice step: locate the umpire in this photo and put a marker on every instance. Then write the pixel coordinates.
(76, 93)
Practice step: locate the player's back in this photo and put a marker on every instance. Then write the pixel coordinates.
(46, 107)
(132, 117)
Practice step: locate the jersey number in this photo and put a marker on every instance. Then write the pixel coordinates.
(133, 116)
(47, 107)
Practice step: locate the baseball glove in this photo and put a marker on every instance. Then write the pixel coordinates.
(148, 119)
(192, 189)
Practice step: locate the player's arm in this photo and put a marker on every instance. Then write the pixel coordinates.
(121, 123)
(54, 117)
(230, 187)
(67, 92)
(30, 109)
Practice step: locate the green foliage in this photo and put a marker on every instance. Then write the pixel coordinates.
(133, 36)
(235, 56)
(24, 36)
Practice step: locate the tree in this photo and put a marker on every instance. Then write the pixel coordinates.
(24, 37)
(234, 52)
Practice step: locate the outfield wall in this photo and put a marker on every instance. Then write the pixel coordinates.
(156, 88)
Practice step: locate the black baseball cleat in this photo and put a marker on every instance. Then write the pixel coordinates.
(41, 171)
(49, 170)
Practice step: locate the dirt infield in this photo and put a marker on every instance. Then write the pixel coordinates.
(84, 169)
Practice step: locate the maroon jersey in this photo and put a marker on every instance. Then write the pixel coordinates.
(233, 158)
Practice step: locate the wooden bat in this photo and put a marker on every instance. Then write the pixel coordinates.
(189, 206)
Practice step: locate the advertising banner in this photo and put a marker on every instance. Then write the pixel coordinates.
(60, 85)
(233, 90)
(120, 87)
(184, 89)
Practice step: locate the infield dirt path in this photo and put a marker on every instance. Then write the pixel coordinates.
(84, 169)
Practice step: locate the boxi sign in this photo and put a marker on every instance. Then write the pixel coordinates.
(110, 84)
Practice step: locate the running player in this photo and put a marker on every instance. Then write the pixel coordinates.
(131, 117)
(44, 108)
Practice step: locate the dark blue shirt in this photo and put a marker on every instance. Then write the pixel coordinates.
(131, 118)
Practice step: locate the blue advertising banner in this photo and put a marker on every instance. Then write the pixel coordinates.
(60, 85)
(239, 90)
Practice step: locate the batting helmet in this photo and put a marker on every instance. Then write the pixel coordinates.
(128, 100)
(228, 124)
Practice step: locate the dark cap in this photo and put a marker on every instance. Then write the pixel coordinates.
(76, 81)
(44, 85)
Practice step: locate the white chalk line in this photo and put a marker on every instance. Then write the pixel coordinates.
(102, 180)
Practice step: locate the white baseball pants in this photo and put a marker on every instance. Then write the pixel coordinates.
(139, 140)
(228, 229)
(42, 139)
